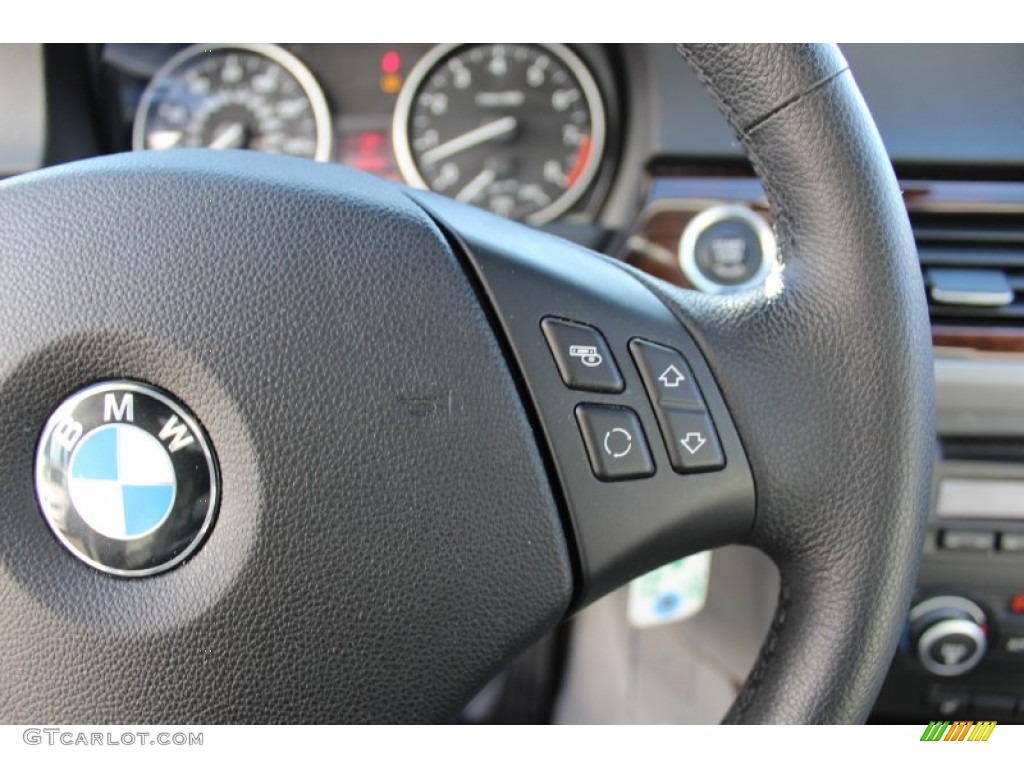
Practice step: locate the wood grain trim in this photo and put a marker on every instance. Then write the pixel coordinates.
(980, 339)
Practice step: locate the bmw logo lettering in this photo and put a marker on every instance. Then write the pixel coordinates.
(126, 478)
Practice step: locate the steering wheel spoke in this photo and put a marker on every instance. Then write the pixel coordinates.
(645, 455)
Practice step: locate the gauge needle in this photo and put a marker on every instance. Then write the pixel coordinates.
(475, 186)
(230, 137)
(486, 132)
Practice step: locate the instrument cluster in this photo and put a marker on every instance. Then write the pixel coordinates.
(523, 130)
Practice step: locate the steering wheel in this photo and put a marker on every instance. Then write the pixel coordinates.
(433, 433)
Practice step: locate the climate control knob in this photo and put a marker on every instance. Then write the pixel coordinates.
(949, 633)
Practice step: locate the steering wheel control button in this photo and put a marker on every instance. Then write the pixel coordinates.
(615, 442)
(582, 356)
(690, 436)
(726, 248)
(126, 478)
(691, 441)
(666, 375)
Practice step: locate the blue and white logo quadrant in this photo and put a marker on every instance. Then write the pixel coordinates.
(122, 482)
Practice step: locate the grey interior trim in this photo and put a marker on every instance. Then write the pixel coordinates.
(979, 397)
(960, 497)
(23, 106)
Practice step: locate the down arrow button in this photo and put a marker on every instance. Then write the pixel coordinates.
(691, 440)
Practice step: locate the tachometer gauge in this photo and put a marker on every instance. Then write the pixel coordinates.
(234, 97)
(517, 129)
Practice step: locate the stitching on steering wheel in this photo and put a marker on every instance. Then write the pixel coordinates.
(782, 107)
(767, 652)
(745, 135)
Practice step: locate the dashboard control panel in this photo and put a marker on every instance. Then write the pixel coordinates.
(962, 652)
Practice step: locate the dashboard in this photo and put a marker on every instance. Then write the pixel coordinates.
(619, 148)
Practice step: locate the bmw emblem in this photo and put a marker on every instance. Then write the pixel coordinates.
(126, 478)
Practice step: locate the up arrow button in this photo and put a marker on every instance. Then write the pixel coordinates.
(667, 377)
(671, 378)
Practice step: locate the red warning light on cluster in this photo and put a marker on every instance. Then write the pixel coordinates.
(390, 63)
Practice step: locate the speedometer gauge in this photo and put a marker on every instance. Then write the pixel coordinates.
(517, 129)
(234, 97)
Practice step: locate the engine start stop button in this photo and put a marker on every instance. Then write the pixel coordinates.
(726, 248)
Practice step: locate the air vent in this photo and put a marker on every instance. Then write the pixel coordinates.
(973, 266)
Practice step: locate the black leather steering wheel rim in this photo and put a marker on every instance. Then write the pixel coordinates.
(856, 308)
(380, 546)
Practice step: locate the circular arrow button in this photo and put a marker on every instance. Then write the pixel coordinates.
(615, 442)
(618, 442)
